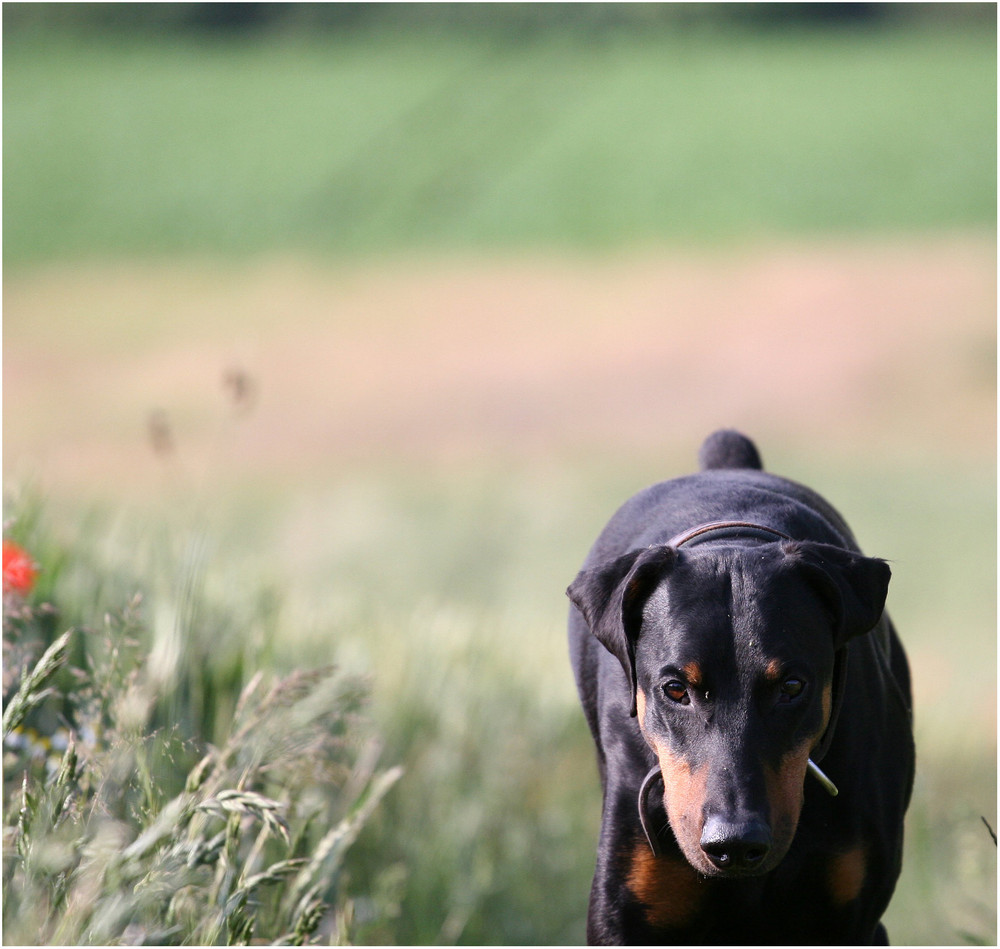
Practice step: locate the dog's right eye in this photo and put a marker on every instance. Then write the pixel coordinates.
(676, 692)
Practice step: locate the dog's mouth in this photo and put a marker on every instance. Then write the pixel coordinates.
(721, 846)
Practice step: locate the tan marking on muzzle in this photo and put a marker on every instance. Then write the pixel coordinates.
(785, 786)
(670, 891)
(684, 800)
(785, 792)
(683, 791)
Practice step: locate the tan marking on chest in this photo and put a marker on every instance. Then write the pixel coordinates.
(671, 892)
(846, 876)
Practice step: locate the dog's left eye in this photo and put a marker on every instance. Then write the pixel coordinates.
(676, 692)
(791, 688)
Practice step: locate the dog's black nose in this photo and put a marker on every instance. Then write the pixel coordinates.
(736, 847)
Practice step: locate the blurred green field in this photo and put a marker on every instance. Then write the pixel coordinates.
(387, 142)
(483, 293)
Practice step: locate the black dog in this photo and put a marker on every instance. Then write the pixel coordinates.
(727, 638)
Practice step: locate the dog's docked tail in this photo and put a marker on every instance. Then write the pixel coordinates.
(727, 448)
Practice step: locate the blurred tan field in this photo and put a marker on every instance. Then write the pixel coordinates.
(871, 347)
(563, 372)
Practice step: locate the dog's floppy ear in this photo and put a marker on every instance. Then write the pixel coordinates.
(853, 586)
(611, 597)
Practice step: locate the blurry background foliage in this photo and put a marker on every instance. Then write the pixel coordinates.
(337, 332)
(361, 128)
(508, 21)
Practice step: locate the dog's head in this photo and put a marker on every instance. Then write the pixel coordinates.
(728, 652)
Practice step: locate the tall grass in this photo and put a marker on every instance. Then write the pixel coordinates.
(126, 823)
(446, 590)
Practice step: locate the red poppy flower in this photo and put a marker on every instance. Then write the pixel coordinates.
(19, 570)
